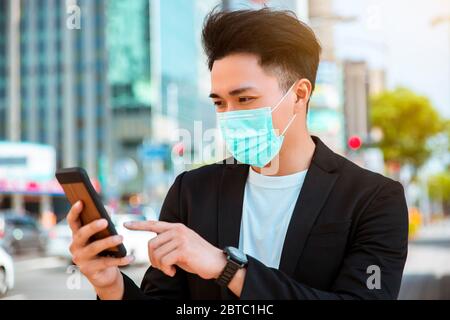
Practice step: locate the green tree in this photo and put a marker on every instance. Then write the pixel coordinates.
(439, 189)
(407, 121)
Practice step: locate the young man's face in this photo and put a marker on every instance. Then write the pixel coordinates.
(238, 82)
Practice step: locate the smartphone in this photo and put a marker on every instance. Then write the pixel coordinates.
(77, 186)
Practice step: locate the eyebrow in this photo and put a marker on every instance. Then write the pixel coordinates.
(234, 92)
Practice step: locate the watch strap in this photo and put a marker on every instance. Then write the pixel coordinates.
(228, 273)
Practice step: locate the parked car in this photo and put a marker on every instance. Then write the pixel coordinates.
(60, 237)
(134, 241)
(6, 272)
(21, 233)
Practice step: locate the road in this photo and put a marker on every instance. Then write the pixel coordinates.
(427, 270)
(426, 276)
(50, 278)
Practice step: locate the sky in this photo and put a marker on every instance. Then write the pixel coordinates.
(397, 35)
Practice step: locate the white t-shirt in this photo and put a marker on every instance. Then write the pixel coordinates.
(267, 209)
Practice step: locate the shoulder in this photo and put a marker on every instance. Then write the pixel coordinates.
(210, 173)
(362, 178)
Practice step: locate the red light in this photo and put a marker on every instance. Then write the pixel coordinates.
(354, 142)
(178, 149)
(32, 186)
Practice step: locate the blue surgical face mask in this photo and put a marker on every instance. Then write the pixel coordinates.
(250, 136)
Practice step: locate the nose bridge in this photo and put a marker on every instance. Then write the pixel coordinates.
(230, 106)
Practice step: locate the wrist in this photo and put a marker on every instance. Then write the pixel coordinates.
(114, 291)
(219, 266)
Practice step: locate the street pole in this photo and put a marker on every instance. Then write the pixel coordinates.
(14, 124)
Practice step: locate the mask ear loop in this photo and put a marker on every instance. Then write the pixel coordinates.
(289, 124)
(279, 103)
(284, 97)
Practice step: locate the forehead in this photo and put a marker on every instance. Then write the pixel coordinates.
(238, 70)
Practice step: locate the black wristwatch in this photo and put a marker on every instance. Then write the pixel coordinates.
(236, 260)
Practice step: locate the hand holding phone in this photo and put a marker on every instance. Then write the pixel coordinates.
(96, 247)
(77, 186)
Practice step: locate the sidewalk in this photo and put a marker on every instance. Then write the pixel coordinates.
(427, 270)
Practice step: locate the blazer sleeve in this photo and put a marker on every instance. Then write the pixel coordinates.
(381, 239)
(155, 284)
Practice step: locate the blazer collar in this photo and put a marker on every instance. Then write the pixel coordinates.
(318, 183)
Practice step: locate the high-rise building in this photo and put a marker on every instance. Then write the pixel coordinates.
(53, 85)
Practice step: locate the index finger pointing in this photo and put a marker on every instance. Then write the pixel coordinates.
(153, 226)
(73, 217)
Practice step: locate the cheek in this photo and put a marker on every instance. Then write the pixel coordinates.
(280, 118)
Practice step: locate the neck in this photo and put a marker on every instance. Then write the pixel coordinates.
(294, 156)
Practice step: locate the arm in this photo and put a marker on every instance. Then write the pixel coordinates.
(381, 239)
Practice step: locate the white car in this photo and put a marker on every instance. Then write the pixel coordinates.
(60, 237)
(6, 272)
(134, 241)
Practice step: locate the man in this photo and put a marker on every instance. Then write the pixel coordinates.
(290, 219)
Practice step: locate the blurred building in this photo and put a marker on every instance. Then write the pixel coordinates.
(129, 78)
(53, 85)
(356, 93)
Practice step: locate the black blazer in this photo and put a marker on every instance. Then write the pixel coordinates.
(346, 218)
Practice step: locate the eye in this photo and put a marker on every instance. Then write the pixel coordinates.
(245, 99)
(218, 103)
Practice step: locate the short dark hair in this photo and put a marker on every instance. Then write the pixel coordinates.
(281, 41)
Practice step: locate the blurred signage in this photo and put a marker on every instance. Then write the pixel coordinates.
(328, 88)
(327, 124)
(154, 152)
(325, 116)
(27, 168)
(27, 161)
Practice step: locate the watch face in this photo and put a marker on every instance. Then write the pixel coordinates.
(237, 255)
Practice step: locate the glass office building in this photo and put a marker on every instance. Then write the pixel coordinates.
(53, 79)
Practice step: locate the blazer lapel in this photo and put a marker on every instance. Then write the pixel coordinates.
(318, 183)
(231, 198)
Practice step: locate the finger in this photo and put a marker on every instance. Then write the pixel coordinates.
(73, 217)
(82, 236)
(169, 261)
(161, 239)
(106, 262)
(153, 226)
(156, 255)
(94, 248)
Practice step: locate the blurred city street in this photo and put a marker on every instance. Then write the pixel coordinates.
(427, 270)
(49, 278)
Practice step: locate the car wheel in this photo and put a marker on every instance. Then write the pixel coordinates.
(3, 284)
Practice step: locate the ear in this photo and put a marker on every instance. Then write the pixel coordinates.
(303, 91)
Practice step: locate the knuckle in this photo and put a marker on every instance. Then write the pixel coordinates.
(182, 257)
(72, 247)
(78, 236)
(83, 269)
(76, 258)
(152, 245)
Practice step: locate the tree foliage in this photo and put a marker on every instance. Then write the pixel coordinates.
(407, 121)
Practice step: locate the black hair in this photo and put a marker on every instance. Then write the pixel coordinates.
(283, 43)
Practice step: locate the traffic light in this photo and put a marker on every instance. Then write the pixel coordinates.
(354, 142)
